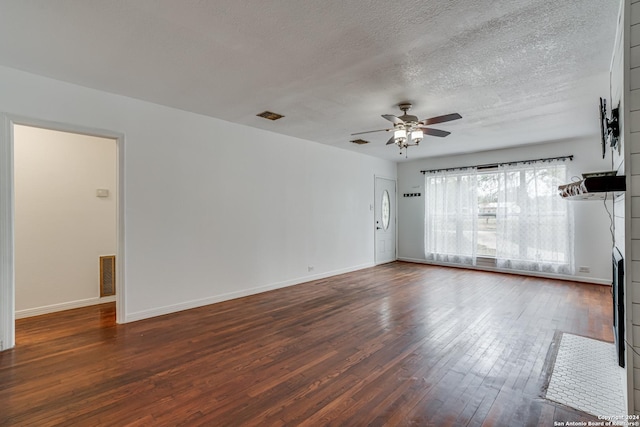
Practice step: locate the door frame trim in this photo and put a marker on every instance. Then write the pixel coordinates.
(395, 224)
(7, 211)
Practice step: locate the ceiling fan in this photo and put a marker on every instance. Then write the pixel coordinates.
(408, 130)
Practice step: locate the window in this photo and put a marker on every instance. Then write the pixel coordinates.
(511, 213)
(386, 210)
(451, 217)
(488, 183)
(534, 224)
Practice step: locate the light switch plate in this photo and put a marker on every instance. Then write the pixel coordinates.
(102, 192)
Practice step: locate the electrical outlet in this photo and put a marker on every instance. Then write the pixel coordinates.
(310, 268)
(584, 269)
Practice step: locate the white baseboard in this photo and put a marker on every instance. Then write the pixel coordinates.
(187, 305)
(517, 272)
(37, 311)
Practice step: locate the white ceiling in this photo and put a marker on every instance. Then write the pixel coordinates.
(518, 71)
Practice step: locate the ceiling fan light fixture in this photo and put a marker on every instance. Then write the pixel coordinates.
(417, 135)
(400, 135)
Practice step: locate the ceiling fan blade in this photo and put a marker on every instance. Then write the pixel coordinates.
(442, 119)
(393, 119)
(435, 132)
(370, 131)
(391, 141)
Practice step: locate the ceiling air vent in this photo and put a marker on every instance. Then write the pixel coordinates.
(360, 141)
(270, 115)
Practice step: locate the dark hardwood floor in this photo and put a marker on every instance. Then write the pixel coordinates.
(397, 345)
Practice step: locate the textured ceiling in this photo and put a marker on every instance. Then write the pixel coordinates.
(518, 71)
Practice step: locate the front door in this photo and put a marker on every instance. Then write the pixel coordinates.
(385, 220)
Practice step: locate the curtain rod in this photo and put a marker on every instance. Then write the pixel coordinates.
(493, 165)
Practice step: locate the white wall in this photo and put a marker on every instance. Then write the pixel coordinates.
(621, 208)
(593, 240)
(61, 227)
(213, 209)
(616, 156)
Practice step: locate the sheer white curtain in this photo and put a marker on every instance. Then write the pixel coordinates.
(534, 225)
(451, 216)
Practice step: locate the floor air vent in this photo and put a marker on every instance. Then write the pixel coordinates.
(107, 275)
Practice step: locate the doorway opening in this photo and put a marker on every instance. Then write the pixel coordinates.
(62, 195)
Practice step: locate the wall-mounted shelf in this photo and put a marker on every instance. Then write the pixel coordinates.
(594, 188)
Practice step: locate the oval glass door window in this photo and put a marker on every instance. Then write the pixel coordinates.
(386, 209)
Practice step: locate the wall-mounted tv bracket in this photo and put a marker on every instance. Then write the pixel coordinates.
(609, 128)
(613, 127)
